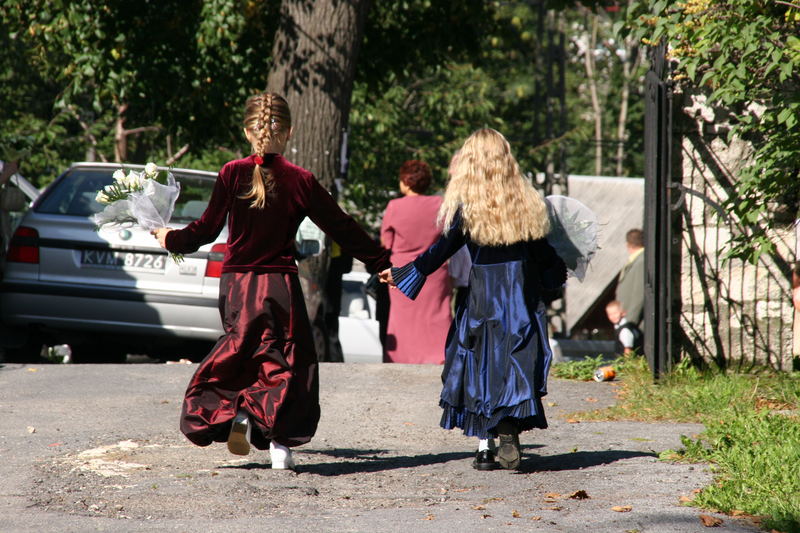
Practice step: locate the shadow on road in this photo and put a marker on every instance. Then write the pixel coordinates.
(576, 460)
(375, 460)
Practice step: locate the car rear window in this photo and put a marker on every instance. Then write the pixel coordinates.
(74, 194)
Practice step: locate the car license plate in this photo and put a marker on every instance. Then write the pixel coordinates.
(118, 260)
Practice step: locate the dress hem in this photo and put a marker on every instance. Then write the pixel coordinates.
(527, 415)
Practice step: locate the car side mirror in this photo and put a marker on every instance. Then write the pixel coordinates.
(308, 247)
(12, 199)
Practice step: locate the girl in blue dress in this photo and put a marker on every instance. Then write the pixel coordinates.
(497, 354)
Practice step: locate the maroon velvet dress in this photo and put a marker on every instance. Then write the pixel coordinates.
(265, 362)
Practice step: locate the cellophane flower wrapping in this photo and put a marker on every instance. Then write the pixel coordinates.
(573, 233)
(138, 198)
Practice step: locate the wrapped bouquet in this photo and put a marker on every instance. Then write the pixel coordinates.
(573, 232)
(146, 199)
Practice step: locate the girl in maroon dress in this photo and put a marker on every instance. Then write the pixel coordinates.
(259, 384)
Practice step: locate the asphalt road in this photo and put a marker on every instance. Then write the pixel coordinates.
(96, 448)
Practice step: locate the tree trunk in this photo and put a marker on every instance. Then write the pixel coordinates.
(589, 63)
(314, 54)
(630, 67)
(120, 138)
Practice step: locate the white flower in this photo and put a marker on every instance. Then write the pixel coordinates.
(119, 175)
(108, 188)
(101, 197)
(150, 170)
(132, 180)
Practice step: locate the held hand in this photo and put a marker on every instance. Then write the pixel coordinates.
(161, 235)
(386, 277)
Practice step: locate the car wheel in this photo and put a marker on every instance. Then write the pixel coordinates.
(30, 352)
(97, 352)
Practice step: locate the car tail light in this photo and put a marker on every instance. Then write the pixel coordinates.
(24, 246)
(214, 263)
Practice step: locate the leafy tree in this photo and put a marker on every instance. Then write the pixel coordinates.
(133, 80)
(746, 55)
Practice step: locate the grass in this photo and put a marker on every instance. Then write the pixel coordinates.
(751, 437)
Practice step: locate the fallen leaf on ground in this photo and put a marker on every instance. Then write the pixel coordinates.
(535, 518)
(590, 400)
(551, 404)
(479, 508)
(697, 491)
(408, 423)
(710, 521)
(737, 512)
(33, 370)
(579, 495)
(622, 508)
(573, 421)
(552, 495)
(484, 516)
(554, 508)
(515, 513)
(54, 444)
(31, 429)
(429, 517)
(685, 499)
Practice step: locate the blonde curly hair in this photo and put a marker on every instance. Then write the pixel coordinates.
(498, 205)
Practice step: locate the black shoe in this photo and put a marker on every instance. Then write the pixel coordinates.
(508, 454)
(484, 460)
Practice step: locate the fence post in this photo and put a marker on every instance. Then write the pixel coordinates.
(657, 224)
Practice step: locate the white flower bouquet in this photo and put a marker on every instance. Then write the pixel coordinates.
(146, 199)
(573, 232)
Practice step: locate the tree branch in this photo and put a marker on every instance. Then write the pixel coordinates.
(134, 131)
(178, 154)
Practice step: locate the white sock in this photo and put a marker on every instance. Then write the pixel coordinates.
(278, 452)
(485, 444)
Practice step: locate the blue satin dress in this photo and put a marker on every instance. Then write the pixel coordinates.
(497, 354)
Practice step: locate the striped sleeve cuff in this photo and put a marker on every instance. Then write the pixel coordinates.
(408, 279)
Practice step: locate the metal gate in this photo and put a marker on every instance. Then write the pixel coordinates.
(722, 312)
(657, 225)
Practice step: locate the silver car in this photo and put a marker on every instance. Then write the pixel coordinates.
(110, 292)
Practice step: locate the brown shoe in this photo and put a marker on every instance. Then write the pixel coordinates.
(508, 454)
(239, 437)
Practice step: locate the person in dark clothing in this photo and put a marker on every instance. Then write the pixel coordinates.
(259, 385)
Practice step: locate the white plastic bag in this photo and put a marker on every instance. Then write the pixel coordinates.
(151, 208)
(573, 232)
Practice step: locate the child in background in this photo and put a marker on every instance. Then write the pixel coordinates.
(497, 354)
(628, 336)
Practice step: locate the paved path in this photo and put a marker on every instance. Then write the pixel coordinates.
(96, 448)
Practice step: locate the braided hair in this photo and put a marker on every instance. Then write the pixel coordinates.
(266, 116)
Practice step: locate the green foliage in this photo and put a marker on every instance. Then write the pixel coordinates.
(583, 369)
(751, 436)
(180, 68)
(746, 55)
(429, 73)
(474, 64)
(756, 456)
(412, 121)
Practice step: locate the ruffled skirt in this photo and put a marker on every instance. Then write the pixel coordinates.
(497, 354)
